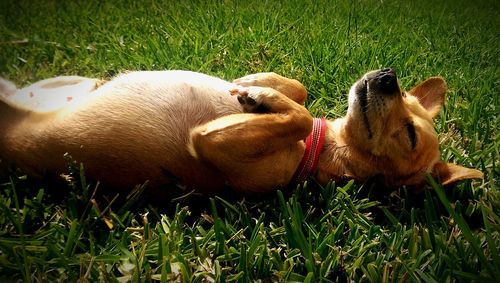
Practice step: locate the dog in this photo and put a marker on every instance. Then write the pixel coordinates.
(252, 135)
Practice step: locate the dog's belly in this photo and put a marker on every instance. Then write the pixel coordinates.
(132, 129)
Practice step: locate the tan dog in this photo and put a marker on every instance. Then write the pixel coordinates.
(179, 126)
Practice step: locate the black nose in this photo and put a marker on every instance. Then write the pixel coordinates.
(387, 81)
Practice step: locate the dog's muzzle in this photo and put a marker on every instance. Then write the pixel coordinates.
(384, 81)
(372, 87)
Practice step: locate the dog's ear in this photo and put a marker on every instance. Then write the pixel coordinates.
(430, 94)
(449, 173)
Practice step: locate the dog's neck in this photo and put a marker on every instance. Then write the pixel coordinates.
(337, 161)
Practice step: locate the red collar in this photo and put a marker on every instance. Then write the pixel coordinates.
(314, 143)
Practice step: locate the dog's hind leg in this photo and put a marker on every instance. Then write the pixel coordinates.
(7, 88)
(52, 94)
(247, 147)
(7, 107)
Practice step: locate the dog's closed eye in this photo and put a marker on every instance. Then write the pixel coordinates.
(412, 135)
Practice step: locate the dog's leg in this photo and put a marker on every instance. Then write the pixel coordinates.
(249, 146)
(53, 94)
(284, 122)
(293, 89)
(7, 90)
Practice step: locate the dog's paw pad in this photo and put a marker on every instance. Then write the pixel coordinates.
(243, 96)
(238, 91)
(251, 99)
(246, 100)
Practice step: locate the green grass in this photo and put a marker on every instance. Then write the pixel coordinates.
(339, 232)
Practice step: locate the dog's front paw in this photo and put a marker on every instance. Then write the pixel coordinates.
(251, 99)
(250, 80)
(259, 79)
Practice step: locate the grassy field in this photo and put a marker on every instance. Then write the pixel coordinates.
(340, 232)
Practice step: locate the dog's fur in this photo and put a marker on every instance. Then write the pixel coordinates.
(207, 133)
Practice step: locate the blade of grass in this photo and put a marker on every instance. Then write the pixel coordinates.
(463, 227)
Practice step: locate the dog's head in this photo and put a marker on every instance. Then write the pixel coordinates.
(392, 132)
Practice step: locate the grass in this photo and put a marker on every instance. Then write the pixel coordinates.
(340, 232)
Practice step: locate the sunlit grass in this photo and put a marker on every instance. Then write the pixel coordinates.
(334, 233)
